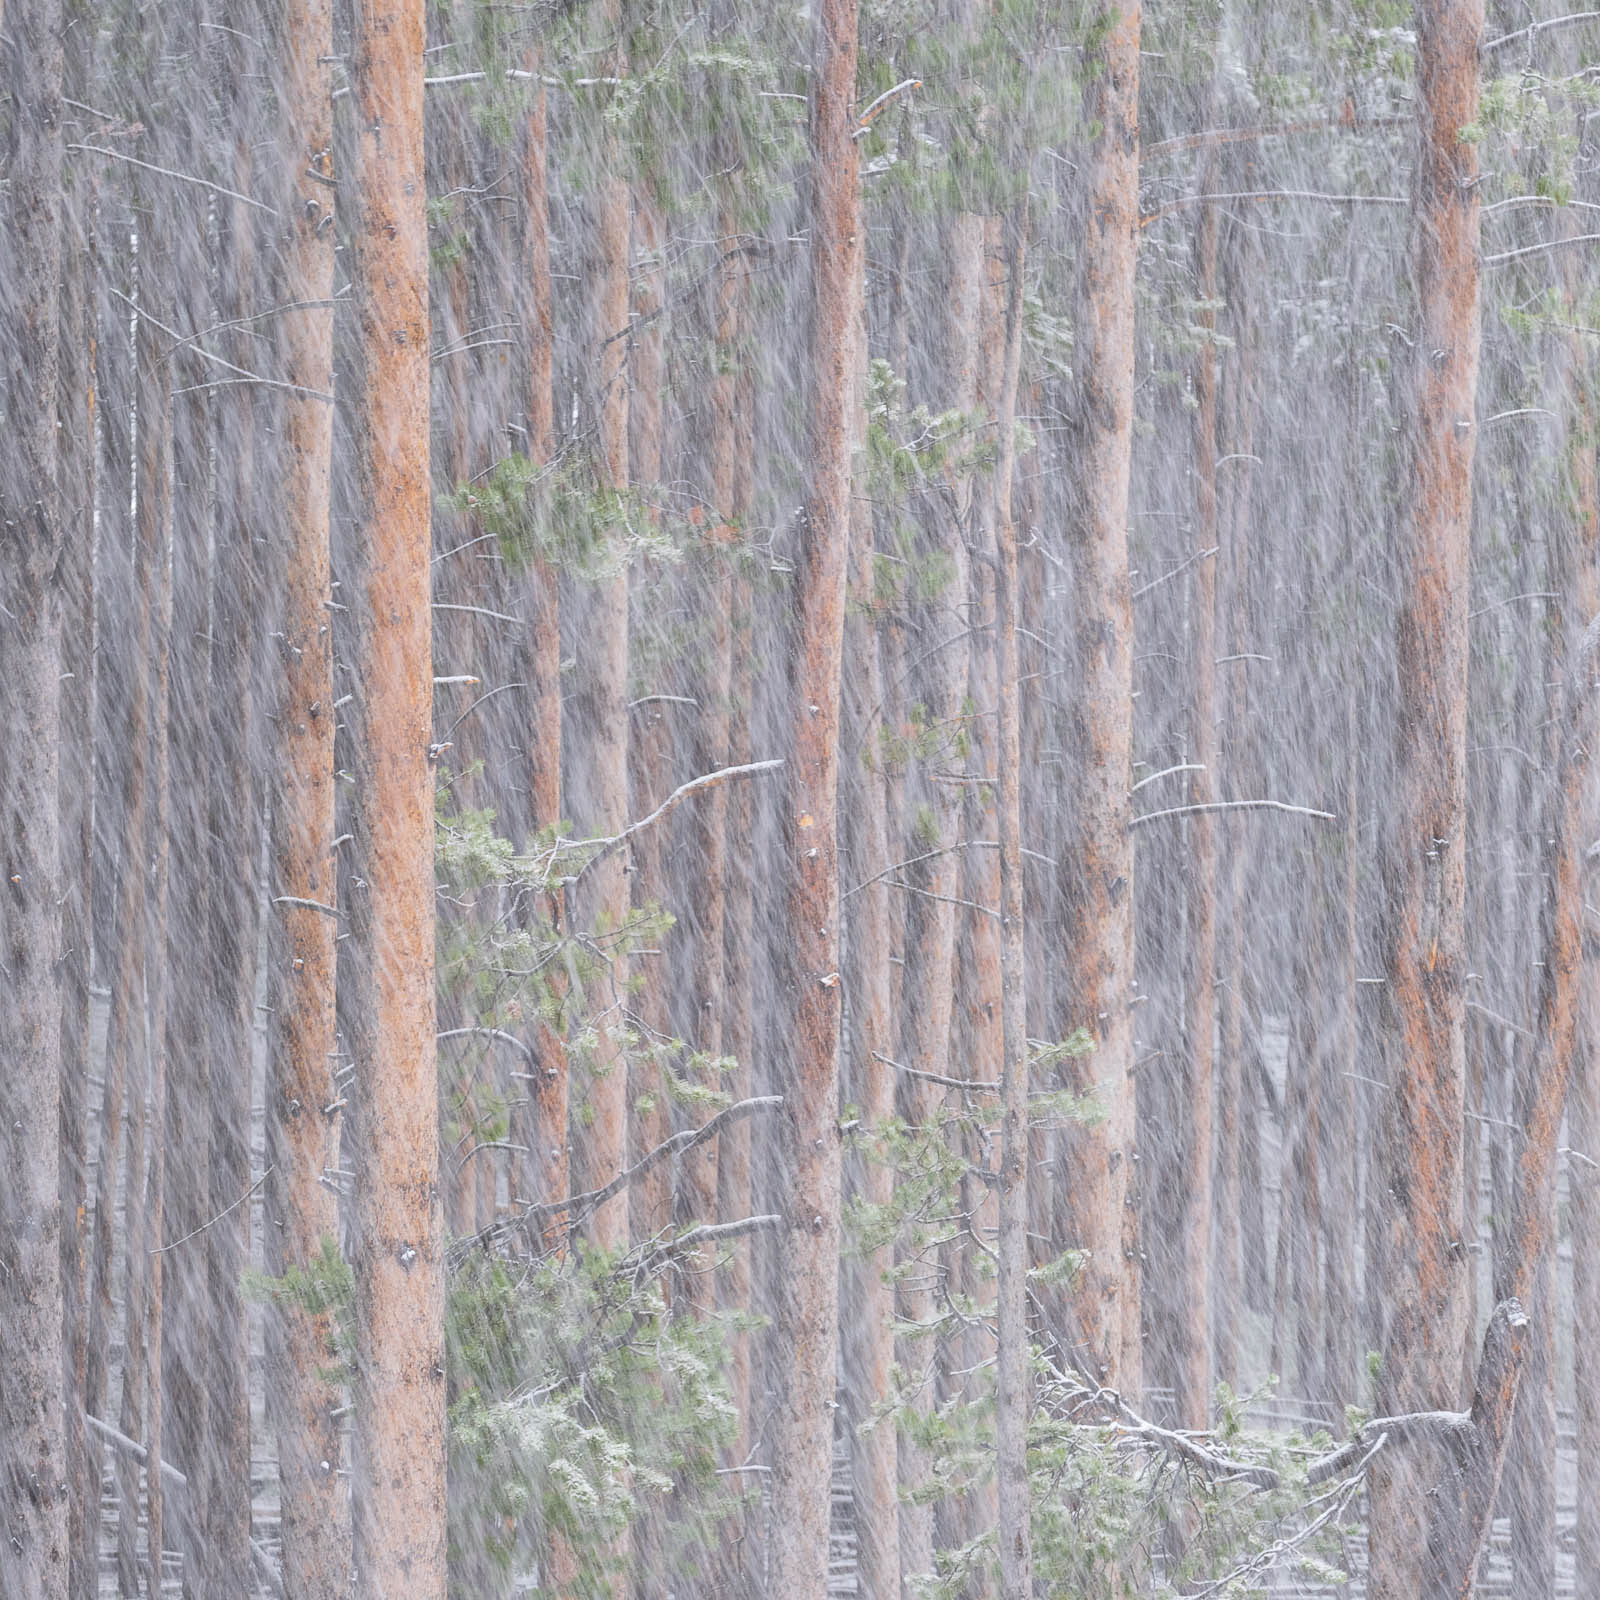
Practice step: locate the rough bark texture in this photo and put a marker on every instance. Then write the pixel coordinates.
(1192, 1368)
(302, 1101)
(399, 1388)
(808, 1310)
(77, 477)
(1012, 1403)
(597, 788)
(869, 993)
(1096, 954)
(33, 1465)
(1425, 850)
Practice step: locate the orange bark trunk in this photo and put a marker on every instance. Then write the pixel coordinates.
(1096, 954)
(302, 1115)
(399, 1388)
(808, 1313)
(1425, 853)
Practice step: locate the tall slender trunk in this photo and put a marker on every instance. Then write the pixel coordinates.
(147, 1145)
(808, 1313)
(1192, 1374)
(712, 680)
(399, 1388)
(223, 1475)
(1425, 851)
(1012, 1406)
(1096, 953)
(544, 1172)
(734, 1189)
(77, 481)
(302, 1116)
(127, 642)
(650, 750)
(1236, 1077)
(597, 789)
(864, 822)
(1583, 1183)
(33, 1465)
(1583, 1093)
(935, 815)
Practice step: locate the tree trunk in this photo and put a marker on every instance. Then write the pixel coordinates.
(1425, 851)
(935, 814)
(33, 1464)
(77, 479)
(1096, 953)
(126, 661)
(399, 1388)
(147, 1145)
(807, 1318)
(868, 1325)
(597, 788)
(222, 1473)
(1013, 1397)
(1193, 1356)
(650, 769)
(543, 1175)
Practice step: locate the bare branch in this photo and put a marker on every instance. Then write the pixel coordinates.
(1233, 805)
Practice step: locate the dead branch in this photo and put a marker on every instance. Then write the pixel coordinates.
(684, 791)
(266, 1570)
(1233, 805)
(1533, 30)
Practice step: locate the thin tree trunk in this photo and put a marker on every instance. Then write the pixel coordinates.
(864, 824)
(302, 1119)
(33, 1464)
(147, 1145)
(127, 659)
(597, 790)
(399, 1388)
(650, 766)
(1096, 953)
(544, 1172)
(1012, 1405)
(808, 1313)
(1425, 852)
(935, 804)
(77, 481)
(1193, 1355)
(222, 1475)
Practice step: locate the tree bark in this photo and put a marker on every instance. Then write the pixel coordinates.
(302, 1116)
(1193, 1357)
(1096, 953)
(808, 1311)
(1012, 1404)
(77, 478)
(1425, 848)
(399, 1388)
(543, 1174)
(864, 825)
(33, 1464)
(597, 788)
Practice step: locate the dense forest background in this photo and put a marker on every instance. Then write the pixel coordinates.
(796, 799)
